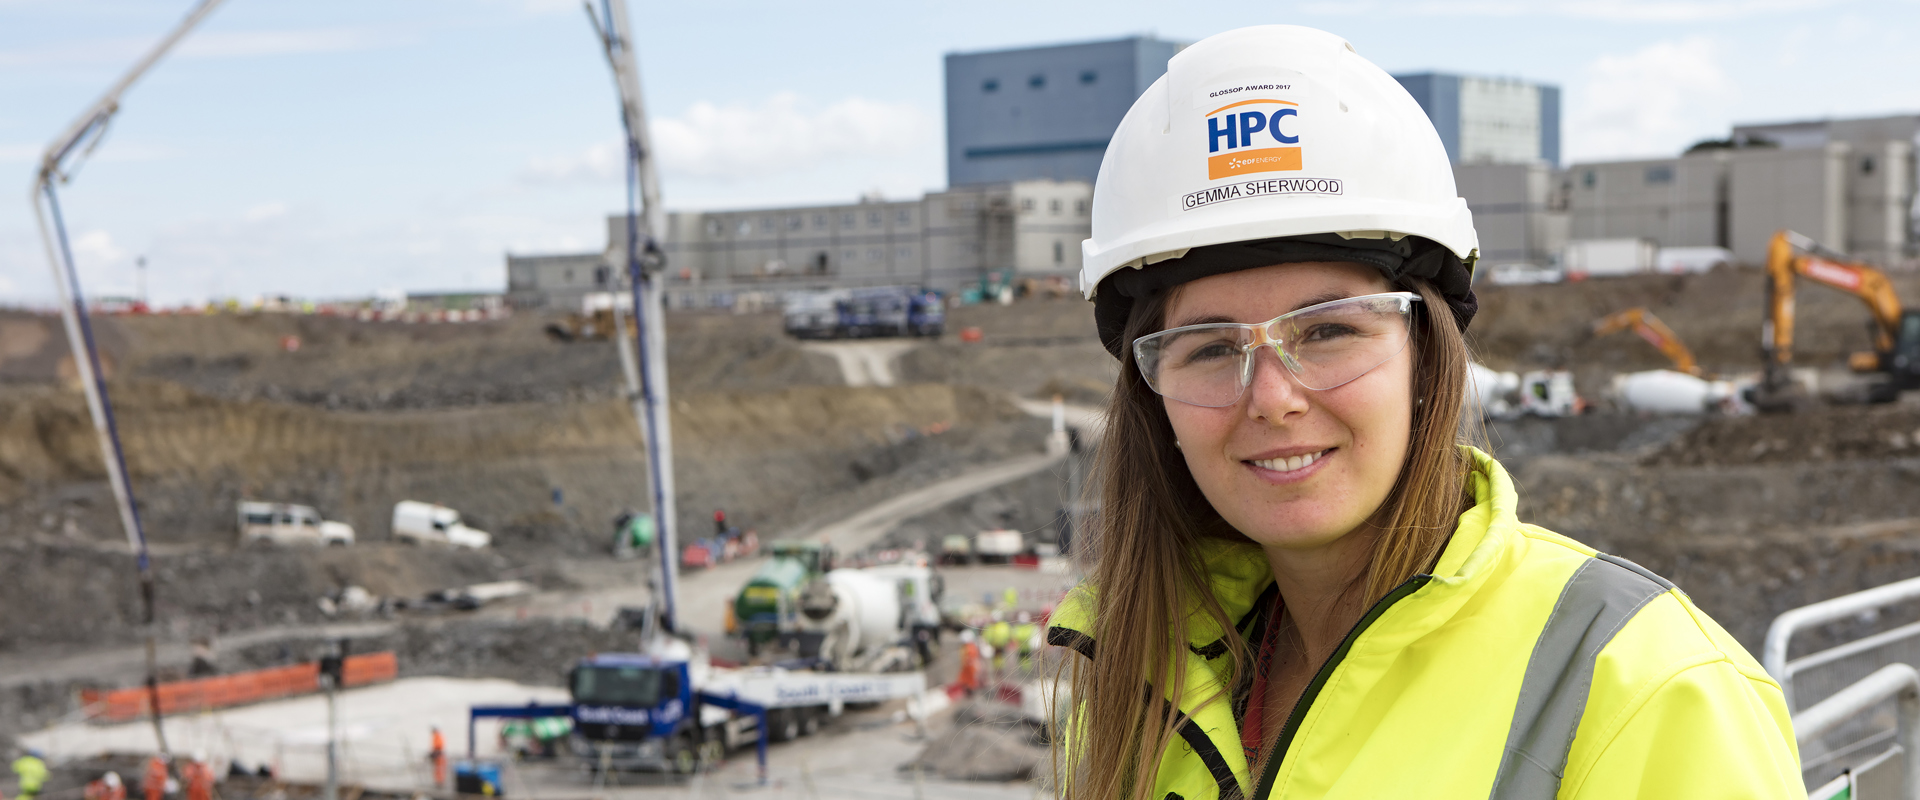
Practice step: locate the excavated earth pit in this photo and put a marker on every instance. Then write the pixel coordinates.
(1751, 516)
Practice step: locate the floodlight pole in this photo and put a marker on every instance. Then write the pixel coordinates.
(88, 129)
(645, 263)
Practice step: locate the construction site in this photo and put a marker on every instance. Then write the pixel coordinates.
(528, 437)
(296, 550)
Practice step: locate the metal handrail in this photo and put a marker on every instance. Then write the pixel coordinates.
(1773, 654)
(1898, 681)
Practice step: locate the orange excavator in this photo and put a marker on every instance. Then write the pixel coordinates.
(1650, 328)
(1896, 330)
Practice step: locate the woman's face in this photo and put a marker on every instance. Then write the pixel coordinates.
(1355, 436)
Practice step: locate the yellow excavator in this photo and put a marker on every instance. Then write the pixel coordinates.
(594, 327)
(1896, 330)
(1649, 327)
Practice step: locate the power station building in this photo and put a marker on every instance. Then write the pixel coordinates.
(1490, 120)
(1503, 137)
(1043, 113)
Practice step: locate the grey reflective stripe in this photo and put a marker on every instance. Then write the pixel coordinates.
(1603, 594)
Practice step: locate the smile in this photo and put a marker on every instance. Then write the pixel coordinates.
(1290, 463)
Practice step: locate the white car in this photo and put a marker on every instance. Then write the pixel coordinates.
(416, 522)
(289, 524)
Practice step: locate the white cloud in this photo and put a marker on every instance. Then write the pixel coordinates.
(265, 211)
(782, 134)
(243, 44)
(1608, 10)
(95, 249)
(122, 50)
(598, 162)
(1654, 101)
(551, 6)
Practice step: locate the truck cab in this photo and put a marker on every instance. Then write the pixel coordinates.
(764, 610)
(1903, 364)
(637, 711)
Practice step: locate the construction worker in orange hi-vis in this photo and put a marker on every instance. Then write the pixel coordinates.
(154, 783)
(198, 776)
(438, 752)
(969, 679)
(106, 787)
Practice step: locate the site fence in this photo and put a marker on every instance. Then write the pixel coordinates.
(1851, 747)
(240, 688)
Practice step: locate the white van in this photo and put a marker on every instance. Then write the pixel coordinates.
(286, 523)
(416, 522)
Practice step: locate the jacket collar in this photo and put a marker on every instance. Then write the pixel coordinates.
(1238, 572)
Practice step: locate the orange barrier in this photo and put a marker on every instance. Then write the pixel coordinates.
(240, 688)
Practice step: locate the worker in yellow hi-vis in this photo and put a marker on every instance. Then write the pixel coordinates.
(31, 769)
(998, 635)
(1026, 639)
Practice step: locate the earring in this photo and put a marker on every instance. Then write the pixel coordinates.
(1176, 444)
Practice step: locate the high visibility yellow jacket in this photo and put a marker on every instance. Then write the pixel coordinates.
(1527, 665)
(32, 772)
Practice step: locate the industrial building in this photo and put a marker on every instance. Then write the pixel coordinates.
(945, 240)
(1490, 120)
(1518, 211)
(1043, 113)
(556, 281)
(1503, 137)
(1849, 184)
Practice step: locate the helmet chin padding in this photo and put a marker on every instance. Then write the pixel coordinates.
(1397, 259)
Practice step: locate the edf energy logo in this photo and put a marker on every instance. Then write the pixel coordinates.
(1244, 136)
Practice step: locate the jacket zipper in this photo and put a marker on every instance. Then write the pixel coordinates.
(1264, 787)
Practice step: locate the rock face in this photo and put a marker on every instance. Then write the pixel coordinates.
(985, 741)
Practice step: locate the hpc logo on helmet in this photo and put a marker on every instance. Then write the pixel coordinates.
(1246, 137)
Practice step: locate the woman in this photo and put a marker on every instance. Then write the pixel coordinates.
(1305, 586)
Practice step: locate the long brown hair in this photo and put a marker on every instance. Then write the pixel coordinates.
(1146, 575)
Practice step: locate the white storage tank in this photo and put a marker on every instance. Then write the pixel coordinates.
(1593, 258)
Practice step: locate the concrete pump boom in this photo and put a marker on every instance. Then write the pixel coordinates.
(54, 169)
(646, 220)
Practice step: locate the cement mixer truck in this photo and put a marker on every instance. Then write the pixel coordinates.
(875, 619)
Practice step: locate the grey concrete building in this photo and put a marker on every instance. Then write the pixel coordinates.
(944, 240)
(1676, 202)
(1882, 222)
(1518, 211)
(1803, 190)
(1043, 113)
(1849, 184)
(1490, 120)
(556, 281)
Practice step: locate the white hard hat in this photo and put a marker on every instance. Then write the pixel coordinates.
(966, 635)
(1268, 132)
(112, 779)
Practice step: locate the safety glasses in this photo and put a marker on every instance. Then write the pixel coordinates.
(1323, 346)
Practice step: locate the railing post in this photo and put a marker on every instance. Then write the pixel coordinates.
(1898, 681)
(1907, 730)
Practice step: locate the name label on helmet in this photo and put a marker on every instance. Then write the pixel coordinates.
(1263, 187)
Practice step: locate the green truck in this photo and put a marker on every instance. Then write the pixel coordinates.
(767, 605)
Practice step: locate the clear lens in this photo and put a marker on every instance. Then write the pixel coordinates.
(1323, 346)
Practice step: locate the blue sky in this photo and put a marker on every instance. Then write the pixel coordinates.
(331, 149)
